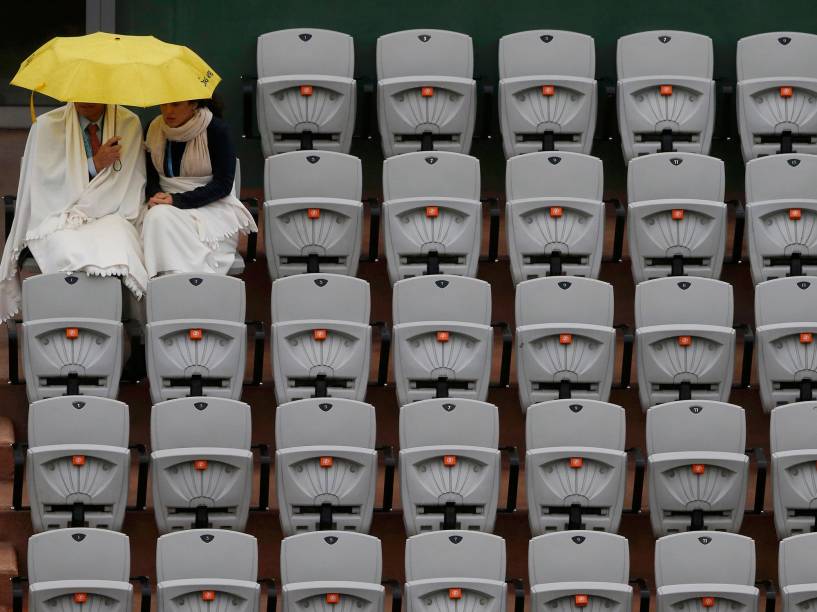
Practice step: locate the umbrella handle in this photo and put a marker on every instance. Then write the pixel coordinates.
(117, 164)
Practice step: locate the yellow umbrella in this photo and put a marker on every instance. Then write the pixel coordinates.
(116, 69)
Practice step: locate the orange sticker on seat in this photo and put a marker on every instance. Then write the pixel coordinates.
(313, 213)
(443, 336)
(449, 460)
(565, 338)
(795, 214)
(678, 214)
(200, 465)
(698, 469)
(319, 334)
(556, 211)
(454, 593)
(427, 92)
(306, 90)
(665, 90)
(78, 460)
(333, 598)
(80, 598)
(576, 462)
(195, 334)
(806, 338)
(72, 333)
(548, 90)
(685, 341)
(582, 600)
(208, 595)
(786, 92)
(326, 462)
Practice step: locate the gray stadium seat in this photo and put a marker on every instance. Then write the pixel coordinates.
(196, 336)
(777, 93)
(326, 464)
(79, 569)
(666, 95)
(201, 463)
(705, 569)
(306, 90)
(580, 569)
(565, 339)
(326, 570)
(786, 322)
(442, 337)
(547, 91)
(425, 91)
(78, 462)
(554, 215)
(432, 214)
(312, 213)
(321, 339)
(794, 468)
(685, 343)
(697, 466)
(781, 214)
(576, 467)
(796, 572)
(72, 335)
(449, 465)
(202, 569)
(455, 570)
(676, 216)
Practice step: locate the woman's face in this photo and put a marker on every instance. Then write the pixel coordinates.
(176, 114)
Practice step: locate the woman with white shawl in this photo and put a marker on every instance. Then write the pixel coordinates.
(72, 217)
(195, 218)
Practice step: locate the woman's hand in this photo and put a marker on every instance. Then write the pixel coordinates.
(160, 198)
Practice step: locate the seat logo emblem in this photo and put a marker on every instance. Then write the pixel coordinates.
(564, 285)
(431, 160)
(804, 285)
(784, 40)
(676, 161)
(200, 405)
(78, 537)
(455, 539)
(449, 407)
(664, 39)
(794, 162)
(577, 539)
(330, 540)
(684, 285)
(442, 284)
(196, 281)
(554, 160)
(325, 407)
(78, 405)
(321, 282)
(207, 538)
(696, 409)
(71, 280)
(704, 540)
(305, 37)
(546, 38)
(576, 407)
(312, 159)
(424, 38)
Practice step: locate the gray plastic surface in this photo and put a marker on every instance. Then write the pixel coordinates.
(577, 556)
(54, 303)
(298, 182)
(460, 553)
(778, 186)
(795, 562)
(560, 299)
(535, 58)
(435, 422)
(683, 301)
(331, 556)
(289, 59)
(441, 297)
(554, 204)
(309, 430)
(720, 558)
(62, 428)
(320, 296)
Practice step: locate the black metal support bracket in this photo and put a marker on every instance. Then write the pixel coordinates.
(18, 451)
(18, 592)
(144, 592)
(252, 238)
(265, 461)
(248, 86)
(385, 350)
(518, 586)
(608, 130)
(762, 465)
(14, 352)
(513, 477)
(9, 208)
(507, 350)
(396, 593)
(770, 593)
(627, 342)
(740, 224)
(486, 111)
(141, 477)
(375, 214)
(493, 229)
(618, 238)
(748, 352)
(638, 479)
(272, 593)
(643, 594)
(390, 464)
(258, 337)
(725, 118)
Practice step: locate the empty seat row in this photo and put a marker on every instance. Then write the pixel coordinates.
(426, 92)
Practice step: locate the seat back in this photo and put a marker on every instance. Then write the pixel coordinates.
(425, 85)
(320, 297)
(578, 556)
(78, 455)
(326, 465)
(442, 298)
(567, 300)
(449, 464)
(794, 561)
(308, 51)
(547, 85)
(196, 296)
(683, 301)
(464, 554)
(704, 558)
(665, 92)
(554, 215)
(583, 423)
(204, 553)
(202, 463)
(331, 556)
(430, 175)
(312, 213)
(72, 335)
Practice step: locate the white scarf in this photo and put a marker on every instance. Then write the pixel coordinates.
(196, 157)
(56, 193)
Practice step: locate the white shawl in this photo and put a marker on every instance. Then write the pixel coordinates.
(55, 192)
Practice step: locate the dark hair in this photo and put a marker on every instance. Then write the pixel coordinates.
(215, 104)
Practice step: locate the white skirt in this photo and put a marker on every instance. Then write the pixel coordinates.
(108, 246)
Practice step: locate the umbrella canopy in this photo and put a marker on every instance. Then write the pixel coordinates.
(116, 69)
